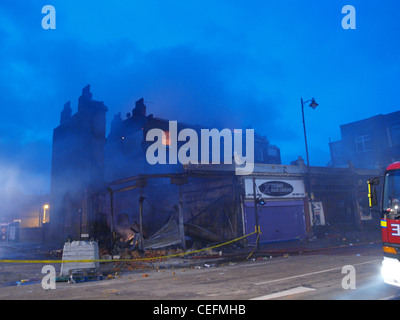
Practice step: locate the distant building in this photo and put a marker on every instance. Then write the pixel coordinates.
(28, 212)
(371, 143)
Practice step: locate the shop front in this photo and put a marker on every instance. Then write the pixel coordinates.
(278, 208)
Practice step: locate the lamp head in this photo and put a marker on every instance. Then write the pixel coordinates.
(313, 104)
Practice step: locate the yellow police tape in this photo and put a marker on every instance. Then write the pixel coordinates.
(132, 260)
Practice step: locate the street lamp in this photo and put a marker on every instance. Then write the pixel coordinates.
(45, 207)
(313, 105)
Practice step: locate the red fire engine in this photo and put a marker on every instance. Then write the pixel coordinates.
(390, 221)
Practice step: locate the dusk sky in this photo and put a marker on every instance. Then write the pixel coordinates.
(229, 64)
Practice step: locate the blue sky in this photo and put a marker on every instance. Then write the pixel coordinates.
(214, 63)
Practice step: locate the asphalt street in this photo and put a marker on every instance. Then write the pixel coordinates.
(316, 275)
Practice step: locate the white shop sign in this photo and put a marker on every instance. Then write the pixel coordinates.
(318, 210)
(274, 188)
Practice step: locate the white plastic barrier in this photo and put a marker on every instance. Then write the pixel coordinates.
(79, 250)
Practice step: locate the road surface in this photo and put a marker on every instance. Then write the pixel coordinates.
(320, 275)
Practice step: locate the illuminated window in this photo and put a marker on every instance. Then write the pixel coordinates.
(166, 141)
(363, 144)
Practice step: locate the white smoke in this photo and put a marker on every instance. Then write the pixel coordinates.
(20, 191)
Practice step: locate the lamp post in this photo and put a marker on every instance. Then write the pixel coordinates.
(313, 105)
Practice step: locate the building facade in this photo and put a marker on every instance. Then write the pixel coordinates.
(77, 164)
(87, 164)
(103, 185)
(371, 143)
(284, 211)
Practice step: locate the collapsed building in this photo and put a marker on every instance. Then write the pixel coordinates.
(102, 187)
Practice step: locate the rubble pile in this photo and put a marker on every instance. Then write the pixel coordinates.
(136, 260)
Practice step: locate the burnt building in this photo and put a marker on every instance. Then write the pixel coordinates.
(98, 177)
(125, 151)
(339, 201)
(371, 143)
(77, 163)
(102, 185)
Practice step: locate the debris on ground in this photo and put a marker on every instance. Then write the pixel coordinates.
(56, 254)
(130, 260)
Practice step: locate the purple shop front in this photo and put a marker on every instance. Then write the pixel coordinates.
(280, 210)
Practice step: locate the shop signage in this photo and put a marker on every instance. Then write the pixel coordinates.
(275, 188)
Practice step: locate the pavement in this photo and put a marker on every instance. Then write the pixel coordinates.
(323, 242)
